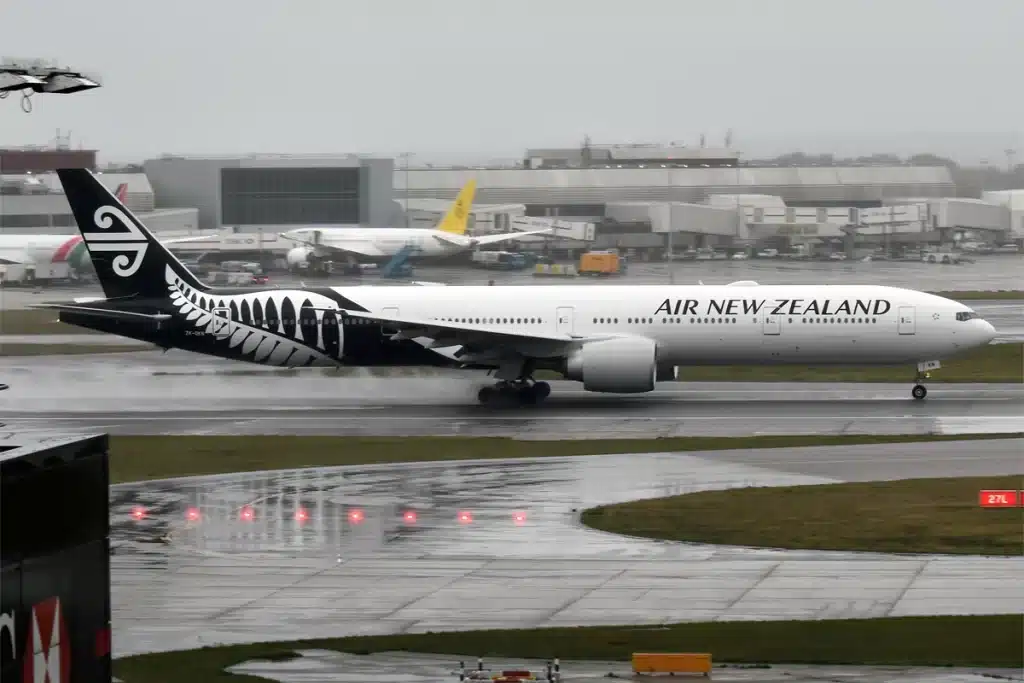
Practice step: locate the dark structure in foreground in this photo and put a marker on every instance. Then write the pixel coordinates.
(55, 560)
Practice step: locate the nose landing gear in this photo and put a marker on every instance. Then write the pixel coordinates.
(522, 391)
(919, 391)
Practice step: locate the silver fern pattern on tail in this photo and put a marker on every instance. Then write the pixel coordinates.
(277, 327)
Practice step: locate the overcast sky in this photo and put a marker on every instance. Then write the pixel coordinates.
(479, 79)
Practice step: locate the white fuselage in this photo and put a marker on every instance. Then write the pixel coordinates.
(692, 325)
(34, 248)
(389, 241)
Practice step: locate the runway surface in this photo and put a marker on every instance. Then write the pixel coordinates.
(497, 544)
(149, 392)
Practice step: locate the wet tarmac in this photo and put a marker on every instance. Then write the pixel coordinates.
(489, 544)
(400, 667)
(129, 398)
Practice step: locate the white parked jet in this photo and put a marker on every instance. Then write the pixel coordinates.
(616, 339)
(380, 244)
(32, 249)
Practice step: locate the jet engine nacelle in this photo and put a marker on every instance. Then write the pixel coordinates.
(619, 366)
(299, 256)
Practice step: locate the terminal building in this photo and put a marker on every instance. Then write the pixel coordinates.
(274, 193)
(644, 198)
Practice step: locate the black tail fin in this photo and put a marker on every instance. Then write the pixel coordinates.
(129, 260)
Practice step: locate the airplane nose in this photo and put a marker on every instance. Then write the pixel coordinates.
(988, 331)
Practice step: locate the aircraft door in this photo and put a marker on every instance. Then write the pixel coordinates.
(385, 329)
(772, 324)
(221, 325)
(564, 319)
(907, 324)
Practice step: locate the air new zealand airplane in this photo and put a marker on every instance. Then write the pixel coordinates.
(614, 339)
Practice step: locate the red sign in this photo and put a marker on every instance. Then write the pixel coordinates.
(47, 657)
(998, 499)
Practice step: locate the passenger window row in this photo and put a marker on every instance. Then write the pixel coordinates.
(857, 321)
(494, 321)
(645, 321)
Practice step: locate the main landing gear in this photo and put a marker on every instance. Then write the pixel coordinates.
(919, 391)
(522, 391)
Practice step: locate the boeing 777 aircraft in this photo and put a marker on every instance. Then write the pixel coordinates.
(380, 244)
(615, 339)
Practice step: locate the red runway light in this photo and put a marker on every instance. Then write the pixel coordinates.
(192, 514)
(246, 514)
(519, 518)
(355, 516)
(301, 515)
(409, 517)
(138, 512)
(465, 517)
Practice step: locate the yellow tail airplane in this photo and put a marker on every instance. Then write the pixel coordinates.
(449, 237)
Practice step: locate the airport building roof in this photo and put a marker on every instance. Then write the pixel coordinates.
(601, 185)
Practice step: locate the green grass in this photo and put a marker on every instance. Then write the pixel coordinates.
(908, 516)
(985, 641)
(18, 349)
(36, 321)
(139, 458)
(992, 295)
(996, 363)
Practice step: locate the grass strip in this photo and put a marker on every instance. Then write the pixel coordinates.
(978, 641)
(907, 516)
(139, 458)
(982, 295)
(36, 321)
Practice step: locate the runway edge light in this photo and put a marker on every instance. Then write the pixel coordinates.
(998, 498)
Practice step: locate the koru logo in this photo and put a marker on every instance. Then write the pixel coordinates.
(47, 654)
(131, 241)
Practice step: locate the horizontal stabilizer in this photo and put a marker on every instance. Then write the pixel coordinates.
(111, 313)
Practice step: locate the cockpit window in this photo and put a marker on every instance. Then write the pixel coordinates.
(967, 315)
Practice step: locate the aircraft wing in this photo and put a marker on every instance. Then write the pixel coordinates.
(180, 240)
(15, 256)
(357, 247)
(492, 239)
(476, 339)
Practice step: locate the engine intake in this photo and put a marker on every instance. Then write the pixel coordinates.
(298, 256)
(618, 366)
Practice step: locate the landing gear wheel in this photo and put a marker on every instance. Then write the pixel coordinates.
(528, 395)
(919, 392)
(542, 389)
(519, 392)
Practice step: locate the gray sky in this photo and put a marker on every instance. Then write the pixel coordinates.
(480, 79)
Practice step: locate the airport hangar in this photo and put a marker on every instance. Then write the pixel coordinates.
(645, 199)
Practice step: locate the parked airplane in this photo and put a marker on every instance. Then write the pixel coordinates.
(380, 244)
(33, 249)
(616, 339)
